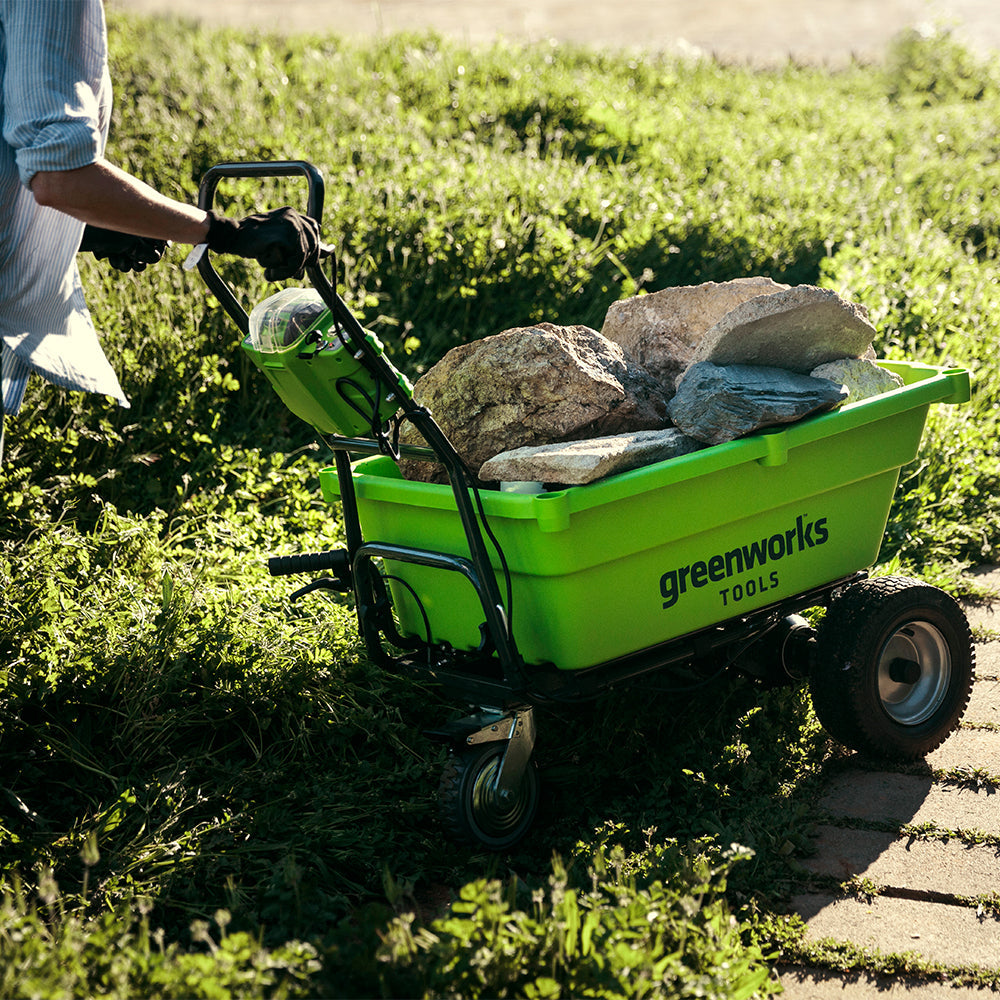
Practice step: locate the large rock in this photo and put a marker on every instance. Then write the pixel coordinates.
(715, 404)
(862, 378)
(577, 462)
(529, 386)
(662, 330)
(798, 329)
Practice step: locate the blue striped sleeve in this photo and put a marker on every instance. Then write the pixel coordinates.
(52, 83)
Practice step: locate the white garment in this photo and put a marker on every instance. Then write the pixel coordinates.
(55, 107)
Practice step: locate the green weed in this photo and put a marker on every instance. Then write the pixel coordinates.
(49, 950)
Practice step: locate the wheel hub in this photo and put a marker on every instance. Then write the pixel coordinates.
(914, 671)
(904, 671)
(498, 811)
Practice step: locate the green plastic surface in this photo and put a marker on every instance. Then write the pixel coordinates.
(607, 569)
(321, 381)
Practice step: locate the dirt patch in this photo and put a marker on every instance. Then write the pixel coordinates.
(760, 31)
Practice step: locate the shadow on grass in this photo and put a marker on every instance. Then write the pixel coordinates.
(286, 792)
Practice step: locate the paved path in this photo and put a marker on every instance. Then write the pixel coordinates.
(927, 889)
(761, 31)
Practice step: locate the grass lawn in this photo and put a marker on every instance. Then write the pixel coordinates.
(208, 792)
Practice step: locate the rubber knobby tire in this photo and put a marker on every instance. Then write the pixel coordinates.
(470, 811)
(876, 638)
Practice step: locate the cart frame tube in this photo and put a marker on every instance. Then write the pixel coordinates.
(478, 568)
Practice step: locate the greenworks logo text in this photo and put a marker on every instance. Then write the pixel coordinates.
(754, 555)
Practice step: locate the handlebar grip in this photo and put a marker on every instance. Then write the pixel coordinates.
(206, 198)
(336, 560)
(273, 168)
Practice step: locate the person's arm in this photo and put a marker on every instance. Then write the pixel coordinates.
(52, 109)
(113, 202)
(103, 195)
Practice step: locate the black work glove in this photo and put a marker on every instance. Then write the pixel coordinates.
(121, 250)
(283, 241)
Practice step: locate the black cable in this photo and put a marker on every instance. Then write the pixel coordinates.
(375, 425)
(419, 603)
(500, 556)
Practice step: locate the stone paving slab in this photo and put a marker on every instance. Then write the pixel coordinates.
(953, 935)
(984, 705)
(987, 575)
(907, 798)
(819, 984)
(919, 865)
(940, 932)
(970, 748)
(986, 613)
(983, 614)
(988, 658)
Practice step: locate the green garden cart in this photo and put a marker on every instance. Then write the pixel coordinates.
(690, 566)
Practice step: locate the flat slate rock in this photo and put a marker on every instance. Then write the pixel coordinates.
(719, 403)
(798, 329)
(662, 330)
(578, 462)
(862, 378)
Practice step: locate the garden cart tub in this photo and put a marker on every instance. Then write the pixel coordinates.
(700, 565)
(601, 571)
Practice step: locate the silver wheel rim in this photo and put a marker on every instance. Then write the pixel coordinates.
(497, 819)
(919, 643)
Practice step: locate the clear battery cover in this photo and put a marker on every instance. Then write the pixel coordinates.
(282, 318)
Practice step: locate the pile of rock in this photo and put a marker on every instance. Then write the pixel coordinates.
(669, 373)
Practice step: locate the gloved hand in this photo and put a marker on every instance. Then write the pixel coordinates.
(122, 251)
(283, 241)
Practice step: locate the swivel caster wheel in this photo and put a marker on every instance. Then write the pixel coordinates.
(474, 810)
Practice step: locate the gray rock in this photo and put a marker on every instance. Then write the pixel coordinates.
(715, 403)
(797, 329)
(529, 386)
(578, 462)
(662, 330)
(861, 378)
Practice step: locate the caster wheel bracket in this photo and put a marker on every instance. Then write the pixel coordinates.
(515, 726)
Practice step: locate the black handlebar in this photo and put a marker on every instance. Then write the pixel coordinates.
(275, 168)
(342, 315)
(336, 560)
(206, 198)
